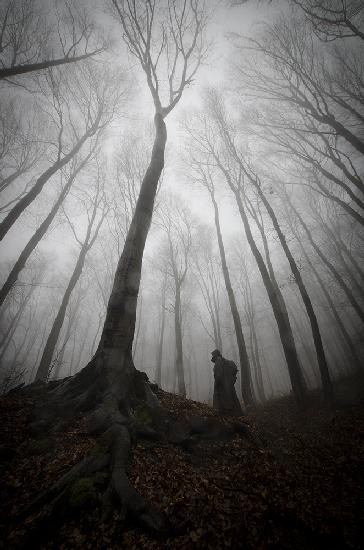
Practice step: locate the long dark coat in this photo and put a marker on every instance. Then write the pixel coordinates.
(225, 399)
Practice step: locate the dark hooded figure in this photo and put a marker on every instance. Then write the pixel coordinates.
(225, 399)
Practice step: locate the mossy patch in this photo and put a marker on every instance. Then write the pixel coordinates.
(41, 446)
(83, 492)
(143, 415)
(99, 449)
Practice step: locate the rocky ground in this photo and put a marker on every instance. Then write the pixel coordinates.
(296, 482)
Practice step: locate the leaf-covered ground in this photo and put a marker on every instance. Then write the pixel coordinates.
(297, 483)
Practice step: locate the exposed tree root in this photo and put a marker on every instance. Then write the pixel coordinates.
(117, 413)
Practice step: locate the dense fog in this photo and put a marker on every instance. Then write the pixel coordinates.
(256, 242)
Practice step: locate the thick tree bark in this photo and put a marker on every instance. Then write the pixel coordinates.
(109, 389)
(23, 203)
(246, 390)
(118, 331)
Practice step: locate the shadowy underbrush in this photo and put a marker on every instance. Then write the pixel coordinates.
(294, 482)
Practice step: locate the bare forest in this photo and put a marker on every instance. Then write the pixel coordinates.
(179, 177)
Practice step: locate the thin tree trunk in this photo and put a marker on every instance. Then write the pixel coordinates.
(215, 301)
(52, 340)
(8, 72)
(267, 372)
(280, 313)
(329, 265)
(341, 325)
(159, 358)
(7, 338)
(179, 347)
(35, 364)
(301, 335)
(246, 390)
(255, 386)
(71, 320)
(321, 358)
(343, 249)
(23, 203)
(70, 370)
(260, 383)
(38, 235)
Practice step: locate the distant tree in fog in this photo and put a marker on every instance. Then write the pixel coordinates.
(21, 148)
(205, 178)
(205, 265)
(334, 19)
(97, 209)
(307, 97)
(41, 230)
(28, 35)
(177, 222)
(207, 139)
(83, 100)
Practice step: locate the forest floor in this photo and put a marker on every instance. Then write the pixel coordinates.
(297, 483)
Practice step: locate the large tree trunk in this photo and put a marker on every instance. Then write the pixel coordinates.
(109, 391)
(109, 388)
(246, 390)
(118, 332)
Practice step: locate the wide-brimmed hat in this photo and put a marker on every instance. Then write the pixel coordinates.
(216, 353)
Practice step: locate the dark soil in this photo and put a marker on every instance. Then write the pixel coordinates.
(295, 483)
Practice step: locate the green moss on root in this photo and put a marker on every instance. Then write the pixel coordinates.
(83, 493)
(143, 415)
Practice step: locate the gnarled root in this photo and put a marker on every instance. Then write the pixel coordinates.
(101, 477)
(119, 408)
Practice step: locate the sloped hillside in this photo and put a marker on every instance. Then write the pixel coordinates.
(288, 481)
